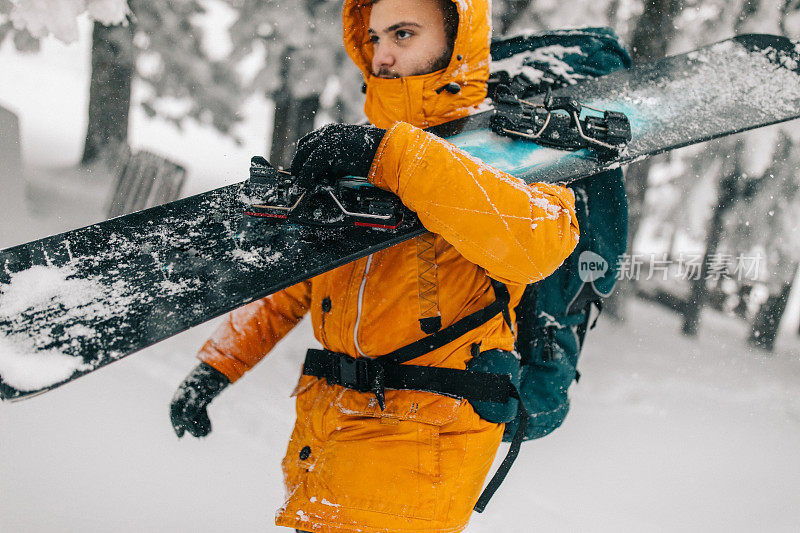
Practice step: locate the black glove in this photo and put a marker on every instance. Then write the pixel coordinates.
(188, 408)
(334, 151)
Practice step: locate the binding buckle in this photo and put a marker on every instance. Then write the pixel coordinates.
(558, 123)
(273, 194)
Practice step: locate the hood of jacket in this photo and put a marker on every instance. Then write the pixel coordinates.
(422, 100)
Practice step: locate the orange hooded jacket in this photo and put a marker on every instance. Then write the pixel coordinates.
(419, 465)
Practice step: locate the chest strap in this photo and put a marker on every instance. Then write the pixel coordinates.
(455, 330)
(367, 374)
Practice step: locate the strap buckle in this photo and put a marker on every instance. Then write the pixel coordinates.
(362, 374)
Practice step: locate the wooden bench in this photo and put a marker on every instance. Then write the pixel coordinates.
(145, 180)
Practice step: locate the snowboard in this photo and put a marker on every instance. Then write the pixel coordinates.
(74, 302)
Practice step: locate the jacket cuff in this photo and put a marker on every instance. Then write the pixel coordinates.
(384, 172)
(210, 355)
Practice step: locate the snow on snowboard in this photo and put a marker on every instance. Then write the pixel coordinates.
(77, 301)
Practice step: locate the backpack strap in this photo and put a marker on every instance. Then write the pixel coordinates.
(366, 374)
(513, 451)
(582, 305)
(374, 375)
(458, 328)
(586, 326)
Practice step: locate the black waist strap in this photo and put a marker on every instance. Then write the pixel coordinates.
(387, 371)
(375, 375)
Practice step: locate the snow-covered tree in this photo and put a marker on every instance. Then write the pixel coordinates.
(757, 206)
(294, 54)
(30, 20)
(164, 50)
(654, 28)
(510, 16)
(160, 43)
(183, 77)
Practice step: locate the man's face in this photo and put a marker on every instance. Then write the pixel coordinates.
(408, 38)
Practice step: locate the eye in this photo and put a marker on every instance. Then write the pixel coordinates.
(401, 35)
(373, 39)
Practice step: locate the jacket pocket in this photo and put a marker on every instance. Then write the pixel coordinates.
(387, 461)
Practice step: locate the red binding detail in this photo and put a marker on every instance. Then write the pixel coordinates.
(384, 226)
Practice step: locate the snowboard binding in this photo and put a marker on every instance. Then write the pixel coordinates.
(557, 123)
(273, 194)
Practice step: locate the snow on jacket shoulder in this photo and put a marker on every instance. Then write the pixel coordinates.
(518, 233)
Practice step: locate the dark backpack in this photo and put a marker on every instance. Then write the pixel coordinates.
(555, 313)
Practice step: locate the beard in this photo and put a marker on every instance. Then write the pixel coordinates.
(437, 63)
(385, 73)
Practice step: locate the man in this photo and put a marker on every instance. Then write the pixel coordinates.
(418, 462)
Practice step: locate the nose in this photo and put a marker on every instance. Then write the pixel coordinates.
(382, 57)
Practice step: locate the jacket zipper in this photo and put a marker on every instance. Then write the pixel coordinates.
(360, 301)
(407, 89)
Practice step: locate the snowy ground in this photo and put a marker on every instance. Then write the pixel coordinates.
(49, 92)
(665, 434)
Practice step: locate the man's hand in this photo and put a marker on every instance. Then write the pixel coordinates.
(334, 151)
(188, 408)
